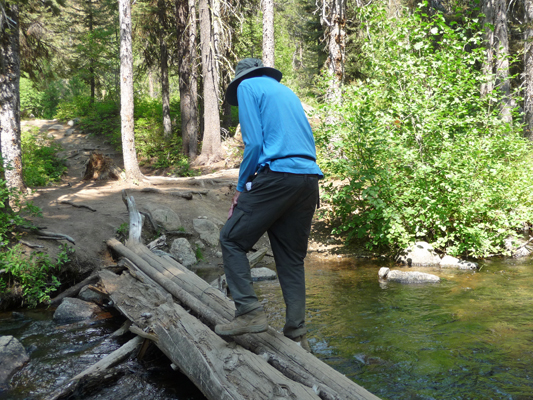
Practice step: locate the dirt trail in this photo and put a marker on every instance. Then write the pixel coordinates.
(90, 229)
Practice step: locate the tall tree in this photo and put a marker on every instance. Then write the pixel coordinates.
(528, 69)
(333, 19)
(133, 173)
(9, 94)
(496, 65)
(188, 79)
(268, 32)
(211, 149)
(165, 88)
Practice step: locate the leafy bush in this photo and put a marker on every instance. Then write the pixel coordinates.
(40, 164)
(34, 273)
(420, 154)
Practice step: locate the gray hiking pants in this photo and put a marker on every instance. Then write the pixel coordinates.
(283, 205)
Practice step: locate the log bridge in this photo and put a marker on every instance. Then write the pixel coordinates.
(177, 310)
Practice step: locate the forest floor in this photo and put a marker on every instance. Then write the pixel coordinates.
(212, 193)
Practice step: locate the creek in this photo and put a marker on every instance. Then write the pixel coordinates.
(468, 337)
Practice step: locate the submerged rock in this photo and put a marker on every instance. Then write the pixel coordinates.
(421, 254)
(72, 310)
(452, 262)
(12, 357)
(407, 277)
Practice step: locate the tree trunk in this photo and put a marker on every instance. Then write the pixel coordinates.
(133, 173)
(268, 33)
(496, 66)
(211, 149)
(165, 90)
(528, 69)
(188, 80)
(334, 21)
(151, 84)
(92, 82)
(10, 98)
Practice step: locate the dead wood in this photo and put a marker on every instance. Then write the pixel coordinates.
(100, 167)
(74, 290)
(77, 205)
(219, 371)
(31, 245)
(112, 359)
(209, 303)
(54, 236)
(125, 328)
(183, 194)
(213, 307)
(159, 242)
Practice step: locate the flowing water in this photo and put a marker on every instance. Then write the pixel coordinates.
(468, 337)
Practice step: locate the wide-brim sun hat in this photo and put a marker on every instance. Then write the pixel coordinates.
(244, 68)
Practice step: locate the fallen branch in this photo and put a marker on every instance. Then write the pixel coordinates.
(31, 245)
(77, 205)
(54, 236)
(112, 359)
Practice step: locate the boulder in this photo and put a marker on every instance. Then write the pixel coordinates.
(407, 277)
(420, 254)
(207, 230)
(69, 132)
(452, 262)
(164, 216)
(182, 250)
(73, 310)
(12, 357)
(89, 295)
(263, 274)
(56, 127)
(73, 122)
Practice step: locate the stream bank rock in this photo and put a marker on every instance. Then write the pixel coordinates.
(182, 250)
(207, 230)
(420, 254)
(73, 310)
(407, 277)
(12, 357)
(164, 216)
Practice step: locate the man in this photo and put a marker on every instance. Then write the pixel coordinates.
(277, 192)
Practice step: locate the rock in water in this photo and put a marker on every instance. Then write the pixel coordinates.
(12, 357)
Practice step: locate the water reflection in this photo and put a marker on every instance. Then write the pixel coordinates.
(467, 337)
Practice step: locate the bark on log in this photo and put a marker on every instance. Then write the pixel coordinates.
(219, 371)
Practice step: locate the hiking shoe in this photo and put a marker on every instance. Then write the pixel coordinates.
(254, 321)
(302, 342)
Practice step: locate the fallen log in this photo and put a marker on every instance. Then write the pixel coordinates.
(220, 371)
(212, 307)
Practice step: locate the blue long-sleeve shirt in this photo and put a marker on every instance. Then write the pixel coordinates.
(274, 126)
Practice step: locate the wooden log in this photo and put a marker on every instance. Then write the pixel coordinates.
(71, 203)
(220, 371)
(74, 290)
(213, 307)
(279, 351)
(113, 358)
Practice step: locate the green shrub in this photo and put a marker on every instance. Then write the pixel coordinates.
(40, 164)
(34, 273)
(420, 155)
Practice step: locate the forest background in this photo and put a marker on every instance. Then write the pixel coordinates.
(425, 109)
